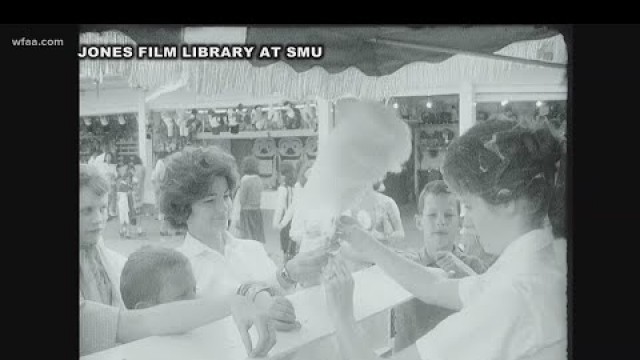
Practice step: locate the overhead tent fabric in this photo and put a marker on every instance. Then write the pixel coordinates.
(362, 61)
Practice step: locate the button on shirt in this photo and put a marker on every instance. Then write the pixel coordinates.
(221, 274)
(516, 310)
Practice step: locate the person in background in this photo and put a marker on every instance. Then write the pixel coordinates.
(140, 174)
(283, 213)
(135, 201)
(250, 223)
(389, 221)
(438, 219)
(111, 170)
(296, 232)
(156, 179)
(378, 214)
(103, 319)
(123, 186)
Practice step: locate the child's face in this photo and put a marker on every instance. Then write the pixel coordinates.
(439, 222)
(178, 285)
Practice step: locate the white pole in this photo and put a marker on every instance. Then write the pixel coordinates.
(325, 125)
(467, 111)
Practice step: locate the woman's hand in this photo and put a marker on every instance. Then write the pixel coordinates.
(307, 266)
(338, 288)
(280, 310)
(245, 315)
(360, 240)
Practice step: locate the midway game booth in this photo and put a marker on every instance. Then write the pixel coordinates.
(440, 80)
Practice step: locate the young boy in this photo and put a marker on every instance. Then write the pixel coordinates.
(156, 275)
(439, 220)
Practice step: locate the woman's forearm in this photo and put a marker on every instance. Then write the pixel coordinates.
(171, 318)
(428, 284)
(396, 236)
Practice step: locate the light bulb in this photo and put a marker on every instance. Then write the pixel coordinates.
(538, 103)
(504, 102)
(429, 104)
(395, 105)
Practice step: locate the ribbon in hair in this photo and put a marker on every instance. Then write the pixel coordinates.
(492, 146)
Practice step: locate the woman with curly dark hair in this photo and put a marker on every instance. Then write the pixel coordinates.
(195, 193)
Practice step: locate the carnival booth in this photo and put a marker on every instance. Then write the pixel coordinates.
(439, 80)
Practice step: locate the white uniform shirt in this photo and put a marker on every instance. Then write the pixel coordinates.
(516, 310)
(222, 274)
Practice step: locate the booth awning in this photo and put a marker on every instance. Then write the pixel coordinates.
(374, 50)
(369, 62)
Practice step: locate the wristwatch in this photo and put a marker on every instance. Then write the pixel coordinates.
(284, 274)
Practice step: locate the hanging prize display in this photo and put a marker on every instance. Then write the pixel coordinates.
(290, 147)
(311, 147)
(265, 150)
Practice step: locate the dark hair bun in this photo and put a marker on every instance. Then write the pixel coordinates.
(546, 147)
(537, 145)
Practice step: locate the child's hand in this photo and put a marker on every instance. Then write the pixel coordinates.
(453, 265)
(338, 287)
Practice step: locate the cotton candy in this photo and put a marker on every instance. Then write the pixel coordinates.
(368, 142)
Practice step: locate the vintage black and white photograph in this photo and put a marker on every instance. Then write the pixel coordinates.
(322, 192)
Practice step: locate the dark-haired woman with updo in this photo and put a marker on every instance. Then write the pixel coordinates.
(504, 173)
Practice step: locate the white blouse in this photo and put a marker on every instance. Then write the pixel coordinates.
(516, 310)
(222, 274)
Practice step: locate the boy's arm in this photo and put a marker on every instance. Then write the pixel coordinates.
(98, 328)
